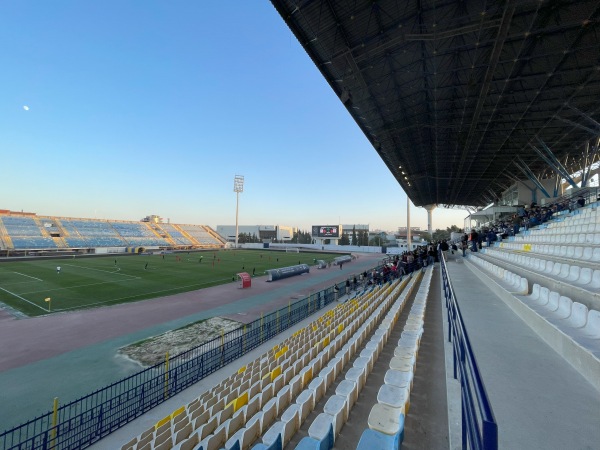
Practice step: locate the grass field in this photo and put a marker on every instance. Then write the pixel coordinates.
(98, 281)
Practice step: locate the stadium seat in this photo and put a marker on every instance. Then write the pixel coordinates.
(336, 408)
(216, 440)
(283, 398)
(349, 390)
(276, 445)
(285, 428)
(371, 439)
(402, 364)
(386, 419)
(578, 317)
(394, 396)
(357, 375)
(317, 385)
(268, 414)
(398, 378)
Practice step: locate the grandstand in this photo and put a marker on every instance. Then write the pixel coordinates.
(359, 377)
(25, 232)
(497, 349)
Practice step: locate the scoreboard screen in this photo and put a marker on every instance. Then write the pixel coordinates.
(326, 231)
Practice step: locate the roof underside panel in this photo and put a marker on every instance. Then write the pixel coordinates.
(453, 93)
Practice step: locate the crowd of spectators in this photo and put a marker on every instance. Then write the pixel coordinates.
(526, 217)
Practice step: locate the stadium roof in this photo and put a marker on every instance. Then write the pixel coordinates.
(455, 94)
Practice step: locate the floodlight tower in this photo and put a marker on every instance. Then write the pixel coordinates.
(238, 186)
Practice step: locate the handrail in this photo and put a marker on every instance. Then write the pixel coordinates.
(479, 427)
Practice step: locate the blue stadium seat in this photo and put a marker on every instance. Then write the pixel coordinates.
(371, 440)
(275, 445)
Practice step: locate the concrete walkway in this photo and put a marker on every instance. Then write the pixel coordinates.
(539, 400)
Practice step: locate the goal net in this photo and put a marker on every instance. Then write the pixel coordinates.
(292, 250)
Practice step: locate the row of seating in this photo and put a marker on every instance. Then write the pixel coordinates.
(21, 226)
(581, 253)
(386, 420)
(265, 387)
(133, 229)
(175, 234)
(327, 426)
(32, 242)
(584, 277)
(584, 216)
(510, 280)
(559, 238)
(336, 412)
(199, 233)
(572, 318)
(89, 228)
(333, 369)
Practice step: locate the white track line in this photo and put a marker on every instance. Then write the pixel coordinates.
(28, 276)
(105, 271)
(24, 299)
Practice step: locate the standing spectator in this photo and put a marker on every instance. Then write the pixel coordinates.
(474, 237)
(490, 238)
(444, 247)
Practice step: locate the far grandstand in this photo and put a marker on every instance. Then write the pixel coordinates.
(23, 232)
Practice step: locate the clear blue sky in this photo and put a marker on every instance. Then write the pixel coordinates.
(152, 107)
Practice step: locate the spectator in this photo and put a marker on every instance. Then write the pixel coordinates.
(473, 238)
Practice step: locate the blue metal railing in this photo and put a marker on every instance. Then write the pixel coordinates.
(479, 428)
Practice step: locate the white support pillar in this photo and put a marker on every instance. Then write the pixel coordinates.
(429, 209)
(408, 236)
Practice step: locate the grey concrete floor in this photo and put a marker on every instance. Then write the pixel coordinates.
(539, 400)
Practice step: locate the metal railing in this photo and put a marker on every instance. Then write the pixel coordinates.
(479, 428)
(80, 423)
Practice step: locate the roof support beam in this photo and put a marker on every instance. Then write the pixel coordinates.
(529, 174)
(578, 125)
(553, 162)
(557, 184)
(590, 156)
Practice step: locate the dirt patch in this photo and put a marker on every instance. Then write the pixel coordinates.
(152, 350)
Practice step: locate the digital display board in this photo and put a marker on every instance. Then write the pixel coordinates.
(329, 231)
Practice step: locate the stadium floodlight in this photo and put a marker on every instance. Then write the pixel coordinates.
(238, 186)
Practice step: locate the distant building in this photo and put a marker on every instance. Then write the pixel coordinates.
(281, 233)
(153, 219)
(349, 229)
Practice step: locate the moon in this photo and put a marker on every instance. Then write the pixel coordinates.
(26, 108)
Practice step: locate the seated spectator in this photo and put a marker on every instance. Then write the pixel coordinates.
(580, 202)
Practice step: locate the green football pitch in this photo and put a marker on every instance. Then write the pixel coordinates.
(85, 282)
